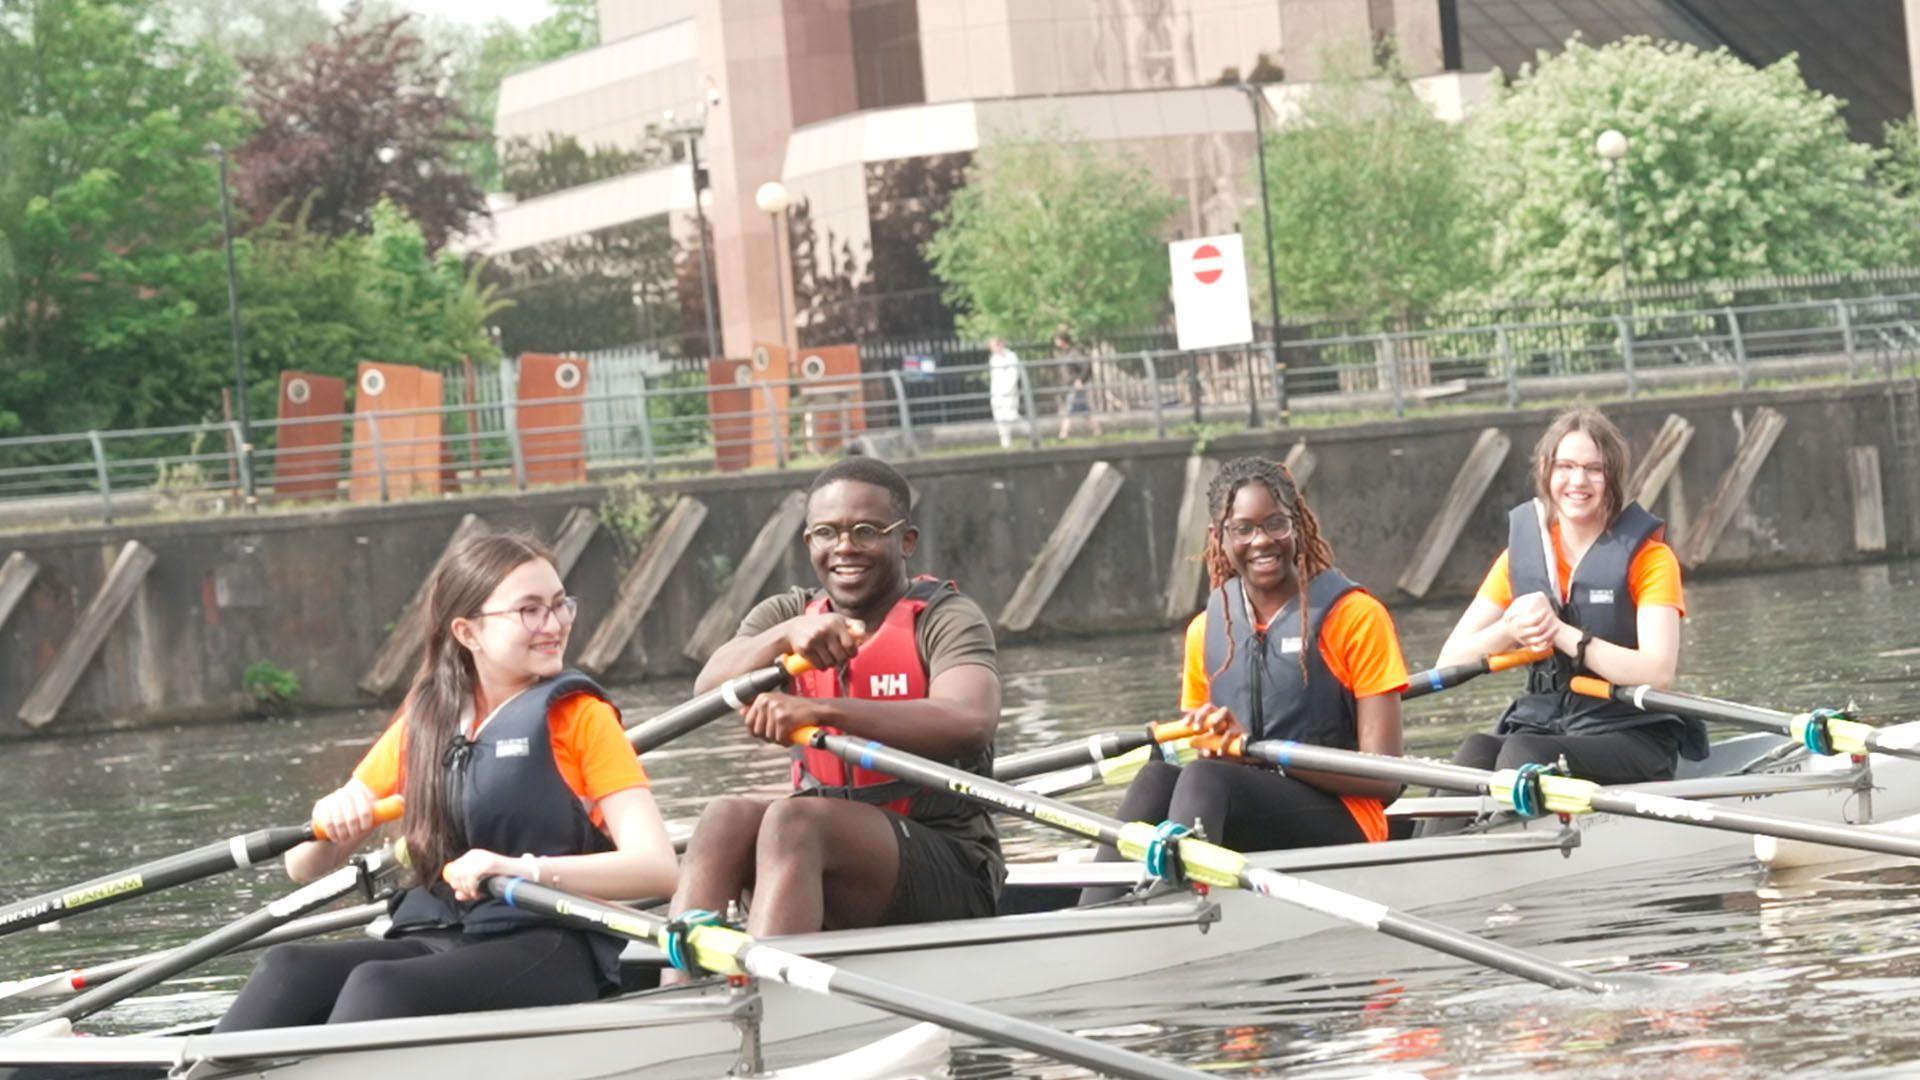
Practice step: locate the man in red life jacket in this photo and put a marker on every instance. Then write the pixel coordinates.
(904, 661)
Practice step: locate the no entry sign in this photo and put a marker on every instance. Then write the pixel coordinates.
(1210, 292)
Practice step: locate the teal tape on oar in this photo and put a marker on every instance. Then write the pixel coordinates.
(1528, 798)
(1163, 852)
(1816, 734)
(676, 932)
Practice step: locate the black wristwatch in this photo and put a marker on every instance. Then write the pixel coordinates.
(1580, 650)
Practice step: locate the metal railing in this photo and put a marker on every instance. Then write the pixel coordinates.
(667, 424)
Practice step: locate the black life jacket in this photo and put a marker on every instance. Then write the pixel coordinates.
(505, 794)
(1599, 601)
(1264, 684)
(888, 667)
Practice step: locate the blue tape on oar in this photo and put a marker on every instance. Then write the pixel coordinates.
(866, 753)
(1435, 682)
(506, 894)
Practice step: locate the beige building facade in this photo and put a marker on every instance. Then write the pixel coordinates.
(867, 111)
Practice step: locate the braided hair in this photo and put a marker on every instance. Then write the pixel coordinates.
(1311, 553)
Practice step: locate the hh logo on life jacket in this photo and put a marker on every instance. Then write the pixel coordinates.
(1599, 596)
(888, 685)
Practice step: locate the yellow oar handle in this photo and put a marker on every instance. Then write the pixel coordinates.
(385, 810)
(795, 664)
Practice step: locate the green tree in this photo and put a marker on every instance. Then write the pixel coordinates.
(1732, 172)
(1051, 233)
(108, 213)
(1374, 209)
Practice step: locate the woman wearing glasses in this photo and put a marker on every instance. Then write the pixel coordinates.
(510, 765)
(906, 661)
(1586, 579)
(1288, 648)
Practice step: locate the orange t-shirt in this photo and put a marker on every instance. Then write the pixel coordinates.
(1360, 648)
(589, 747)
(1653, 578)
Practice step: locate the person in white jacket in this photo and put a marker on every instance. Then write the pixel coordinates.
(1003, 389)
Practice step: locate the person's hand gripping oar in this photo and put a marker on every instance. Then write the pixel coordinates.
(738, 692)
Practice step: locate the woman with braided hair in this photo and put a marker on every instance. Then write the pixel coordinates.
(1288, 648)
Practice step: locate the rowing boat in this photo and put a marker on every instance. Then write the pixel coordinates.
(698, 1031)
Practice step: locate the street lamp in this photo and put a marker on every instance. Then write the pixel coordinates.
(1611, 146)
(772, 198)
(1258, 100)
(245, 449)
(702, 195)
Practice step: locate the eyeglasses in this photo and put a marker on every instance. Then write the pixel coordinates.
(865, 534)
(1595, 473)
(533, 614)
(1277, 527)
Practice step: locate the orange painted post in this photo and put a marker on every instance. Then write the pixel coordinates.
(407, 460)
(729, 403)
(550, 417)
(830, 396)
(771, 368)
(307, 463)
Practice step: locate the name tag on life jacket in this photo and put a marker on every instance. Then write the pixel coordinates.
(1289, 645)
(1599, 596)
(510, 748)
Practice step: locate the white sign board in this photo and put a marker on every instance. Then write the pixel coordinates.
(1210, 292)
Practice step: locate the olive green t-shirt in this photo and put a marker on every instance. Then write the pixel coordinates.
(951, 632)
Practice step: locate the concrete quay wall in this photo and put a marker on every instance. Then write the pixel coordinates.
(317, 592)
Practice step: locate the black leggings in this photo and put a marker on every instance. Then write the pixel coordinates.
(1243, 807)
(421, 974)
(1631, 756)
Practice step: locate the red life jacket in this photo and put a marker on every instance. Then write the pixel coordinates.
(888, 667)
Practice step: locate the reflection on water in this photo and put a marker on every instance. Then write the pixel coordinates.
(1759, 974)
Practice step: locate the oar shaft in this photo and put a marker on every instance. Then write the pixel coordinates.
(1098, 748)
(86, 978)
(1203, 861)
(1434, 680)
(1847, 736)
(728, 951)
(236, 853)
(227, 938)
(704, 709)
(1569, 795)
(1715, 816)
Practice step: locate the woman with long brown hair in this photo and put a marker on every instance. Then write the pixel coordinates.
(1288, 648)
(510, 765)
(1588, 579)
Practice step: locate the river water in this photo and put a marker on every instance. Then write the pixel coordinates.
(1810, 973)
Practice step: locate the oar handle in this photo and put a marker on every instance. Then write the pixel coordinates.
(1588, 686)
(384, 810)
(1434, 680)
(795, 664)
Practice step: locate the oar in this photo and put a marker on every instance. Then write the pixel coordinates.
(1204, 862)
(1116, 757)
(1831, 733)
(1566, 795)
(1434, 680)
(1113, 757)
(699, 711)
(725, 951)
(72, 981)
(234, 853)
(357, 875)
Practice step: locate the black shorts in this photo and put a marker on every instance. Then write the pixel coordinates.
(940, 877)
